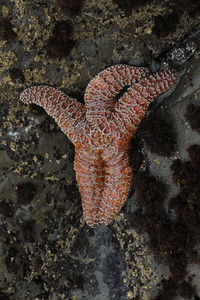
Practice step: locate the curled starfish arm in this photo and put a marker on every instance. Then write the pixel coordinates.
(101, 92)
(132, 106)
(66, 111)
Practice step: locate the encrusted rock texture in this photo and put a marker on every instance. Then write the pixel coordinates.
(151, 250)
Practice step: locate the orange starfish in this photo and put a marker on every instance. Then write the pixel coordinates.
(101, 131)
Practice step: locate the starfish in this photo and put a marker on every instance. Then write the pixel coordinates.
(101, 130)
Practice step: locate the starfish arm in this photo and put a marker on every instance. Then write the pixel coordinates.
(66, 111)
(103, 185)
(101, 92)
(118, 180)
(132, 106)
(90, 177)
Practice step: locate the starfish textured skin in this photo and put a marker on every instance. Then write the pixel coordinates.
(101, 130)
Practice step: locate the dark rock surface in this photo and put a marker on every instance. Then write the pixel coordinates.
(151, 249)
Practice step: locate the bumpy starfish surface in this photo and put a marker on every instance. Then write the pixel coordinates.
(101, 131)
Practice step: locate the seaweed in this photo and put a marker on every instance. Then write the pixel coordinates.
(165, 24)
(25, 192)
(70, 8)
(6, 31)
(16, 75)
(60, 43)
(193, 116)
(158, 134)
